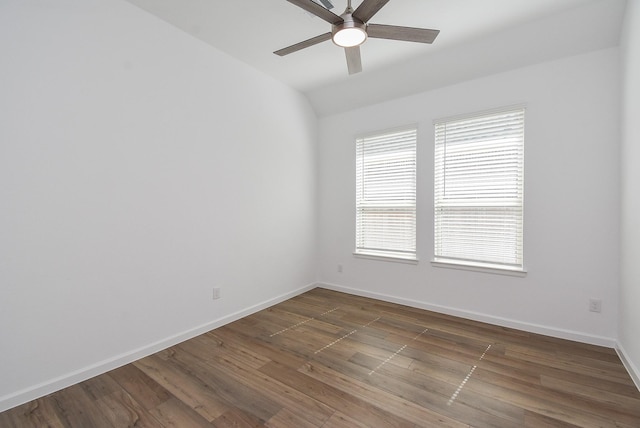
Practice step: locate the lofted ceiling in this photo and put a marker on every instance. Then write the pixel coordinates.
(477, 37)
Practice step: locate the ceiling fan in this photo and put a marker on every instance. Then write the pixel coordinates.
(352, 28)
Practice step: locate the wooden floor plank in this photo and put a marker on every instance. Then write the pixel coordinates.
(333, 360)
(123, 411)
(599, 370)
(236, 418)
(77, 409)
(194, 392)
(285, 418)
(382, 395)
(333, 397)
(174, 413)
(147, 392)
(268, 350)
(222, 385)
(340, 420)
(300, 404)
(618, 403)
(429, 393)
(565, 407)
(535, 420)
(37, 413)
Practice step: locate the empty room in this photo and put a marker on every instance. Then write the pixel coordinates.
(320, 213)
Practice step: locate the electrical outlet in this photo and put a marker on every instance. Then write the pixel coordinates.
(595, 305)
(216, 293)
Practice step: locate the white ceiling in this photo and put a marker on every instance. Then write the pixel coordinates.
(477, 37)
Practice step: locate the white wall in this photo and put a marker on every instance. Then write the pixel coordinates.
(630, 228)
(139, 168)
(571, 201)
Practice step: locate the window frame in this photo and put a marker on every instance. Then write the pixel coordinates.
(452, 259)
(408, 254)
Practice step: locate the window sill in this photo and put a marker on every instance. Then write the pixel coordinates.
(386, 258)
(499, 270)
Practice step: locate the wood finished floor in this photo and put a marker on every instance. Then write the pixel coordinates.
(327, 359)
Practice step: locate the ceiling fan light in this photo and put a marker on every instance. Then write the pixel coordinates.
(349, 37)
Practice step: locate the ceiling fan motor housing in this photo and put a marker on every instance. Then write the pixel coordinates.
(351, 32)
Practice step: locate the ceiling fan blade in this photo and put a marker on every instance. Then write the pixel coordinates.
(310, 42)
(326, 3)
(317, 10)
(409, 34)
(354, 64)
(368, 8)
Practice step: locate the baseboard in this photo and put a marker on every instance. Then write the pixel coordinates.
(31, 393)
(476, 316)
(634, 372)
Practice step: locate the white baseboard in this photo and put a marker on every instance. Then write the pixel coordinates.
(31, 393)
(634, 372)
(476, 316)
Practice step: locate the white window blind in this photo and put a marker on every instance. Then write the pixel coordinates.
(479, 184)
(386, 194)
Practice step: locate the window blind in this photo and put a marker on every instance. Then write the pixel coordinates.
(386, 194)
(479, 185)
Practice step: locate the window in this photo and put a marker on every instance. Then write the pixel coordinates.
(479, 173)
(386, 194)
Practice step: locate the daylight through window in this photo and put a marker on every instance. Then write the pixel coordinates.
(478, 195)
(386, 194)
